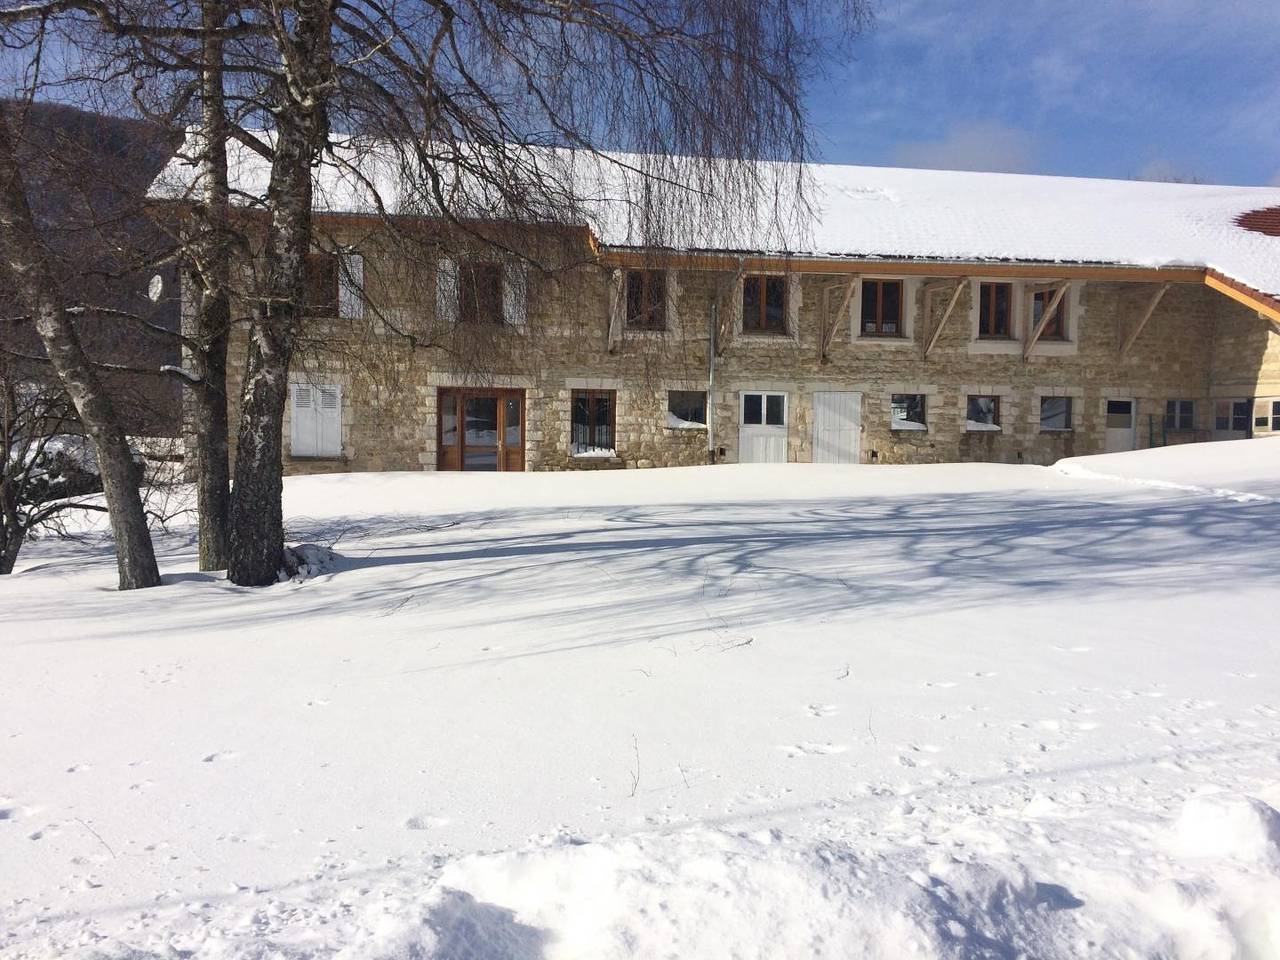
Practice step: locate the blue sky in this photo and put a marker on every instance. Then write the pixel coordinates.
(1124, 88)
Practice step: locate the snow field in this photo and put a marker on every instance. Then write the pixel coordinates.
(956, 711)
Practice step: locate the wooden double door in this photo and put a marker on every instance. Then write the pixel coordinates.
(480, 430)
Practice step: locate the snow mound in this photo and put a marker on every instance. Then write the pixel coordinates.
(1228, 826)
(1246, 471)
(304, 561)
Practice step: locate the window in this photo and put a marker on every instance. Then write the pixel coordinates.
(1056, 328)
(479, 292)
(320, 277)
(764, 409)
(686, 408)
(882, 308)
(982, 413)
(1055, 413)
(764, 304)
(1180, 415)
(995, 308)
(1231, 415)
(907, 412)
(647, 299)
(593, 423)
(315, 428)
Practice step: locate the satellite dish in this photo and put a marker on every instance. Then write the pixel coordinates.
(155, 288)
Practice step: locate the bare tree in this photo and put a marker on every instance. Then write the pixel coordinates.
(28, 260)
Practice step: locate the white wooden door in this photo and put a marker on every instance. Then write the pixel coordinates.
(837, 427)
(762, 427)
(1122, 423)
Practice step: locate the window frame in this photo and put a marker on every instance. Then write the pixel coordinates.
(466, 270)
(878, 321)
(1070, 414)
(764, 396)
(759, 327)
(1230, 418)
(686, 423)
(1180, 416)
(1045, 297)
(995, 426)
(313, 305)
(923, 422)
(985, 315)
(652, 314)
(593, 398)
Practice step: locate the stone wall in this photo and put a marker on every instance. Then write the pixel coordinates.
(1197, 345)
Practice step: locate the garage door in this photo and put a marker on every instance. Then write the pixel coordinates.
(837, 427)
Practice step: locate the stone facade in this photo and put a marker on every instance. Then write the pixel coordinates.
(1197, 346)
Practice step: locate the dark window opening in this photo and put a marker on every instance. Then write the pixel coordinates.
(479, 292)
(1232, 415)
(907, 411)
(882, 308)
(764, 304)
(1055, 413)
(995, 311)
(983, 412)
(592, 422)
(1056, 328)
(1180, 415)
(320, 276)
(647, 299)
(686, 407)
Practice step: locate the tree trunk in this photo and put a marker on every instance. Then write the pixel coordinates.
(256, 539)
(27, 260)
(211, 320)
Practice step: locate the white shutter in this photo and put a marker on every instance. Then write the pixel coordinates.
(447, 291)
(673, 299)
(515, 293)
(795, 297)
(302, 426)
(329, 422)
(351, 285)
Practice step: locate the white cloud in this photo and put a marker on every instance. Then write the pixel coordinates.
(975, 145)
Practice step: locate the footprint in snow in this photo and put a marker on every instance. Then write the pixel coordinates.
(425, 822)
(820, 710)
(813, 749)
(79, 767)
(223, 755)
(942, 684)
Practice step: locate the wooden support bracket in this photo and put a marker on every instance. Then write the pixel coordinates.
(1061, 288)
(1132, 338)
(956, 287)
(834, 320)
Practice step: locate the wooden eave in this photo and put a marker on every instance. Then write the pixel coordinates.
(748, 262)
(1265, 304)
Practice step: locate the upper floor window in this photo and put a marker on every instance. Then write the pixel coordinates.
(647, 299)
(320, 277)
(882, 308)
(1056, 328)
(764, 304)
(479, 292)
(995, 311)
(1180, 415)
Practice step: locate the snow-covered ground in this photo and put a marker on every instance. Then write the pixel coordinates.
(952, 711)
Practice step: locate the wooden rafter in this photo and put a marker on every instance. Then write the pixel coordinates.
(1132, 338)
(1061, 287)
(833, 320)
(957, 287)
(727, 313)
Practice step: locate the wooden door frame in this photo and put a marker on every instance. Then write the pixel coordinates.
(459, 396)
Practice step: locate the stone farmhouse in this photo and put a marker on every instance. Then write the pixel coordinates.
(923, 316)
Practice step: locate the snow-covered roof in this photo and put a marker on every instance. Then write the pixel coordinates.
(862, 212)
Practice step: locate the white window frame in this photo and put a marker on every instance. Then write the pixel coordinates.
(764, 409)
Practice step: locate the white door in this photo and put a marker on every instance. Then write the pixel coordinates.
(762, 430)
(1122, 425)
(837, 427)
